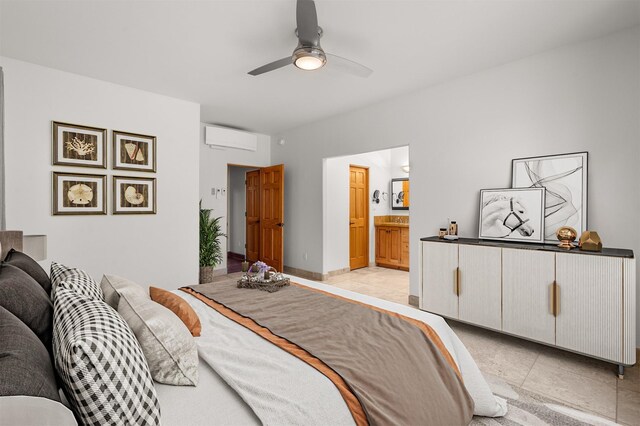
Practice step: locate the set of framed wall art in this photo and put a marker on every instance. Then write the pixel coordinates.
(86, 194)
(546, 193)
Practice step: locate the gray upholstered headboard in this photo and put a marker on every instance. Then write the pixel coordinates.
(9, 240)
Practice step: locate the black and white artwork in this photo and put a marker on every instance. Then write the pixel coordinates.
(564, 177)
(512, 214)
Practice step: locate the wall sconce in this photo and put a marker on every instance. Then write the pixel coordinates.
(405, 168)
(376, 197)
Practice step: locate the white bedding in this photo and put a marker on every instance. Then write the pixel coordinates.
(281, 389)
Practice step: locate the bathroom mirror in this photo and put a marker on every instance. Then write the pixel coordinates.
(400, 194)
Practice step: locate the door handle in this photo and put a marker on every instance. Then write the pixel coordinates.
(351, 223)
(456, 281)
(281, 224)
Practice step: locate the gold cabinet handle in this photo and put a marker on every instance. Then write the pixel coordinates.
(555, 299)
(456, 281)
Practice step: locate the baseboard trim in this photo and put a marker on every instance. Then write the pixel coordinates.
(219, 272)
(237, 256)
(414, 300)
(337, 272)
(315, 276)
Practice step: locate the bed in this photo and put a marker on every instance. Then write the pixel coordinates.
(240, 367)
(246, 380)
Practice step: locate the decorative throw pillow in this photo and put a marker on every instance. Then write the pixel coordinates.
(81, 283)
(167, 344)
(30, 266)
(25, 365)
(103, 370)
(23, 297)
(178, 306)
(113, 285)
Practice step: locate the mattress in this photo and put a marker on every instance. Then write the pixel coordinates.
(245, 380)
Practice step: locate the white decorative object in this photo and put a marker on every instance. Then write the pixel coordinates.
(581, 302)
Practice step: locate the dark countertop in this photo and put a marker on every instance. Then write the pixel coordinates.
(611, 252)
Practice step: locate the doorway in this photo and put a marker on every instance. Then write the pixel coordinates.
(255, 225)
(358, 217)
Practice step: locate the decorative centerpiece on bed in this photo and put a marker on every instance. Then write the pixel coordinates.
(263, 277)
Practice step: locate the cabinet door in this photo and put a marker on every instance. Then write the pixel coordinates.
(527, 277)
(382, 244)
(404, 255)
(439, 264)
(395, 249)
(480, 285)
(589, 318)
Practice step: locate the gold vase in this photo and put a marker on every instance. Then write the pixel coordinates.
(566, 235)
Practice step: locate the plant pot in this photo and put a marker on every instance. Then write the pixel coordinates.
(206, 274)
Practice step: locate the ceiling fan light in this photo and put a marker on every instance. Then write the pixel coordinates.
(309, 59)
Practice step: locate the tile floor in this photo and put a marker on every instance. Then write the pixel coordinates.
(573, 380)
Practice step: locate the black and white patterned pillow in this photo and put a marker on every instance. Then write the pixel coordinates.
(104, 373)
(76, 279)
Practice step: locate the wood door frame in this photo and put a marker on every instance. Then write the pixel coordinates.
(228, 202)
(367, 212)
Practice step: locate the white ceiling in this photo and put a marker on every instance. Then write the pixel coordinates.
(202, 50)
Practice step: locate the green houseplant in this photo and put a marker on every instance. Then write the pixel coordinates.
(210, 245)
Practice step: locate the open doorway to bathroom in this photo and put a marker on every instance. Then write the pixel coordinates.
(366, 223)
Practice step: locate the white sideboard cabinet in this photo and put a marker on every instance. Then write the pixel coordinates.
(580, 301)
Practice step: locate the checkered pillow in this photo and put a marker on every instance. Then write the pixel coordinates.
(104, 373)
(76, 279)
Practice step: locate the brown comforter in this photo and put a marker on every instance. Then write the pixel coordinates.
(389, 369)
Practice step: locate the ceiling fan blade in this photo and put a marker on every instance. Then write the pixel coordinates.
(272, 66)
(307, 21)
(346, 65)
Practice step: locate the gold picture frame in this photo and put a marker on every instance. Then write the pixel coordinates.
(79, 194)
(78, 146)
(134, 151)
(134, 195)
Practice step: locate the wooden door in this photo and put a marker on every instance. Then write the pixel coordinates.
(358, 217)
(439, 266)
(527, 279)
(480, 285)
(252, 191)
(272, 216)
(589, 313)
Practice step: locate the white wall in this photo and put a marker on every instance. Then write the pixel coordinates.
(214, 174)
(463, 135)
(237, 208)
(159, 249)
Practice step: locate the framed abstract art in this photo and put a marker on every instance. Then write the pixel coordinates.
(564, 177)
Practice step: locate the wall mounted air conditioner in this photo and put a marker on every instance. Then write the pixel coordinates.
(230, 138)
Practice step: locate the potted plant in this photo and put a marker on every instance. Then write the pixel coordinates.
(210, 246)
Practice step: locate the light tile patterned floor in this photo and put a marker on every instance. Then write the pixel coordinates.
(574, 380)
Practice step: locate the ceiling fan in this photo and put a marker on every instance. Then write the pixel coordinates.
(309, 55)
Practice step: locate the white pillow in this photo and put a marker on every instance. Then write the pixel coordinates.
(166, 342)
(33, 410)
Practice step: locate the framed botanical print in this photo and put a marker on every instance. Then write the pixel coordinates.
(79, 194)
(134, 152)
(512, 214)
(565, 178)
(134, 195)
(75, 145)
